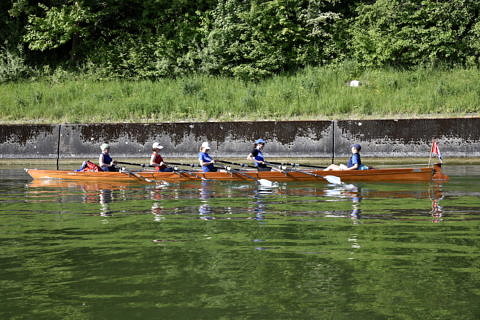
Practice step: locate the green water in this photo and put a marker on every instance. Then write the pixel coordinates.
(217, 250)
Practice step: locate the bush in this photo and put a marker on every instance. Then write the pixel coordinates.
(12, 65)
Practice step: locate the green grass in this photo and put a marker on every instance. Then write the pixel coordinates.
(312, 94)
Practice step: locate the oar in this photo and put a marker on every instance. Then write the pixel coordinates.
(189, 173)
(183, 164)
(297, 165)
(149, 165)
(134, 164)
(263, 182)
(331, 179)
(276, 163)
(306, 165)
(138, 176)
(148, 180)
(281, 166)
(235, 163)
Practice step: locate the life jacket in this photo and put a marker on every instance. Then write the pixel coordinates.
(158, 159)
(92, 167)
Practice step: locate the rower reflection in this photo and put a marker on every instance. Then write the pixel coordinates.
(258, 204)
(106, 198)
(157, 209)
(355, 193)
(206, 192)
(347, 191)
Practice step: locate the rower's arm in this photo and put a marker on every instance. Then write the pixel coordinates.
(100, 161)
(203, 163)
(251, 157)
(103, 164)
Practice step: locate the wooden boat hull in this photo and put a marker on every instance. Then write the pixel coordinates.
(390, 174)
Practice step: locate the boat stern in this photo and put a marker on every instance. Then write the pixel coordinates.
(438, 174)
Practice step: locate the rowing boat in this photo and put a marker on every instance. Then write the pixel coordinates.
(385, 174)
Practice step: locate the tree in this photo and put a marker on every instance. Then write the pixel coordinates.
(405, 33)
(255, 39)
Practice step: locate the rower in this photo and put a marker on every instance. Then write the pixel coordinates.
(354, 163)
(256, 155)
(156, 159)
(105, 161)
(206, 162)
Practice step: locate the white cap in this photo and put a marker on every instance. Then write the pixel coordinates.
(205, 145)
(157, 145)
(104, 146)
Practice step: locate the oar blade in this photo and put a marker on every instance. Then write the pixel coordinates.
(265, 183)
(333, 179)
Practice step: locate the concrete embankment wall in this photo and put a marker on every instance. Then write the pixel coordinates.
(379, 138)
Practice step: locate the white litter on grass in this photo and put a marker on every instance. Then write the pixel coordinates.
(354, 83)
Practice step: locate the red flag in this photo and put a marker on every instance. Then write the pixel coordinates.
(436, 150)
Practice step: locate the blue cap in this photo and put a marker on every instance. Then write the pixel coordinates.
(260, 141)
(357, 146)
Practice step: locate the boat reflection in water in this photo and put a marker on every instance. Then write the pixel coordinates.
(390, 199)
(211, 200)
(436, 195)
(103, 193)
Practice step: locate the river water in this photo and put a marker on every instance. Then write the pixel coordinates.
(224, 250)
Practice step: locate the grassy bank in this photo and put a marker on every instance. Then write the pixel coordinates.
(314, 93)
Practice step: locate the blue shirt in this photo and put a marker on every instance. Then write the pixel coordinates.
(204, 157)
(258, 155)
(354, 159)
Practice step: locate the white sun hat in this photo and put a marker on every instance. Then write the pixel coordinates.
(205, 145)
(157, 145)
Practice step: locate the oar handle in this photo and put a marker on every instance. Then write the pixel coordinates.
(235, 163)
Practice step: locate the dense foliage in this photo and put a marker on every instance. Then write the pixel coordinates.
(154, 39)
